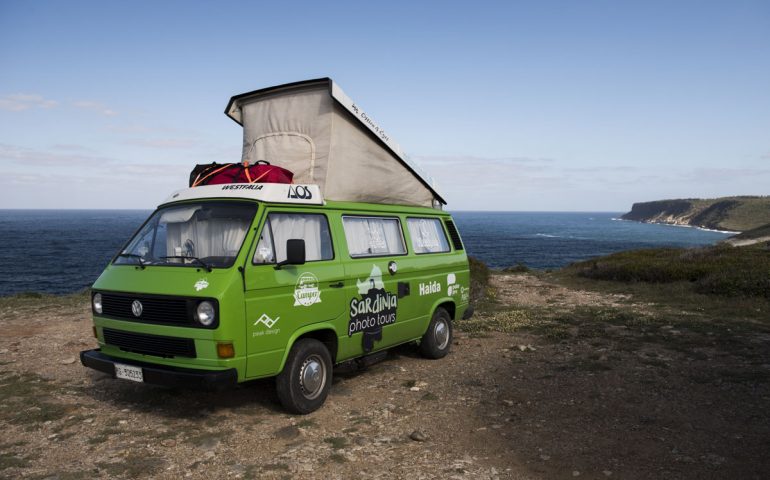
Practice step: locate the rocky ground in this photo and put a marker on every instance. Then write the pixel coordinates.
(549, 382)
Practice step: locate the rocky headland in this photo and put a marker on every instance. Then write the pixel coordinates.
(737, 214)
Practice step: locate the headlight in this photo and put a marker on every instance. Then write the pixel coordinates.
(97, 302)
(206, 313)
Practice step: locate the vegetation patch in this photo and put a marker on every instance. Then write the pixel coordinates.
(518, 268)
(135, 465)
(25, 397)
(336, 443)
(338, 458)
(307, 423)
(480, 289)
(11, 460)
(717, 270)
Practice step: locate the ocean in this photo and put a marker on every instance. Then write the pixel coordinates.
(64, 251)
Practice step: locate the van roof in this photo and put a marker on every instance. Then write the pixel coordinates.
(263, 192)
(290, 194)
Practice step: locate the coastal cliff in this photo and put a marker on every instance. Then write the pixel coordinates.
(727, 213)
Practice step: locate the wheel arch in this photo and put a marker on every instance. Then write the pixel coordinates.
(448, 305)
(323, 332)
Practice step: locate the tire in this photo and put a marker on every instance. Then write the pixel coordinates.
(438, 338)
(309, 361)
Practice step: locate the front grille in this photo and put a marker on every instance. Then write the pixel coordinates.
(454, 234)
(150, 344)
(154, 309)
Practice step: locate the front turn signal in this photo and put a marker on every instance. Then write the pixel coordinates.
(225, 350)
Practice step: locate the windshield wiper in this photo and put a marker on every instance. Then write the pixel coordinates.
(133, 255)
(190, 257)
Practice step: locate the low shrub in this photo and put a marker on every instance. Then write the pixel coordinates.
(479, 280)
(518, 268)
(717, 270)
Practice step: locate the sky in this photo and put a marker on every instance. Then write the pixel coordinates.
(522, 106)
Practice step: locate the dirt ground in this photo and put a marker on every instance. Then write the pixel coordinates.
(552, 382)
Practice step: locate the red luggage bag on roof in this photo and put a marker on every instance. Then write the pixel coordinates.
(260, 172)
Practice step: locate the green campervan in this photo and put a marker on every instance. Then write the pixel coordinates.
(233, 282)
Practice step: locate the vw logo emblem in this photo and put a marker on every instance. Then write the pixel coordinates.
(136, 308)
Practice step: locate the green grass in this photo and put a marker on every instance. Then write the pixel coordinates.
(336, 443)
(759, 232)
(718, 270)
(37, 300)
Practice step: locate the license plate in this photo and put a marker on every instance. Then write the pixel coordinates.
(128, 372)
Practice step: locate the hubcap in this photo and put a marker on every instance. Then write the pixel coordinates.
(312, 377)
(441, 334)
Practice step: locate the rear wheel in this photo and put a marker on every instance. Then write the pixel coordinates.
(438, 338)
(304, 383)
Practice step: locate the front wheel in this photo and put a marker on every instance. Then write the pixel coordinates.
(438, 338)
(305, 380)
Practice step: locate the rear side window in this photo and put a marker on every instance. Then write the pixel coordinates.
(373, 236)
(279, 227)
(427, 235)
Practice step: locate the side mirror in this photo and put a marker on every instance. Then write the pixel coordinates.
(295, 253)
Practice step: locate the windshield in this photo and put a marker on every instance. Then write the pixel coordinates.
(205, 235)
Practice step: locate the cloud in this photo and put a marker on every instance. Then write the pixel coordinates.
(721, 175)
(603, 169)
(95, 107)
(162, 143)
(70, 147)
(31, 157)
(19, 102)
(471, 160)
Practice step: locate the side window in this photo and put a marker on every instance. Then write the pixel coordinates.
(265, 252)
(279, 227)
(427, 235)
(373, 236)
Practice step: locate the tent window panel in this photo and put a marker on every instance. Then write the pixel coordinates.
(280, 227)
(373, 236)
(427, 235)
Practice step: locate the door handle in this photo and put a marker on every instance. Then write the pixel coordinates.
(337, 285)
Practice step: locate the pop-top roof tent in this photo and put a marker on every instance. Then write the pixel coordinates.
(313, 129)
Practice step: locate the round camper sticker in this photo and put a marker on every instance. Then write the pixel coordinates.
(306, 292)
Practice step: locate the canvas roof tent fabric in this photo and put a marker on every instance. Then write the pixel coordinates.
(313, 129)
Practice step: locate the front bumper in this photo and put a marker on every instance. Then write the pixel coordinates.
(161, 374)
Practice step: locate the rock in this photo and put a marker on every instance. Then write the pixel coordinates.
(575, 473)
(418, 436)
(414, 389)
(68, 361)
(169, 442)
(607, 473)
(545, 457)
(508, 403)
(209, 455)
